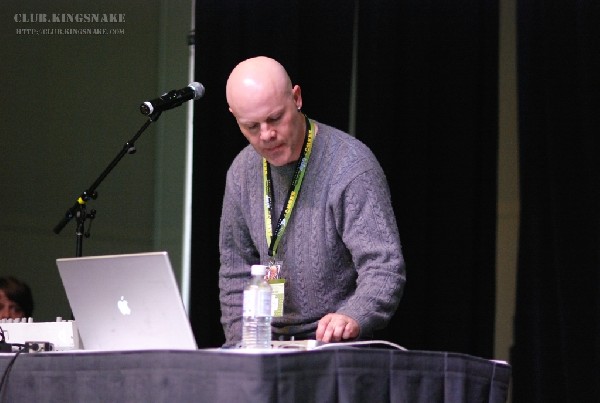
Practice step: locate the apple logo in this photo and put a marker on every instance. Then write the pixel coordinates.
(123, 306)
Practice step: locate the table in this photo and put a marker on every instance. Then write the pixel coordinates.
(223, 375)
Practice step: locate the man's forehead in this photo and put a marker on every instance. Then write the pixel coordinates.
(260, 117)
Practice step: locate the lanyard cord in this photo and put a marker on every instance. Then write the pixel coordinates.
(273, 237)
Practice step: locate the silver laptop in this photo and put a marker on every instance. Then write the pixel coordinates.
(126, 302)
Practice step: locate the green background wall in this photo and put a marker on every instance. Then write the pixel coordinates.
(69, 104)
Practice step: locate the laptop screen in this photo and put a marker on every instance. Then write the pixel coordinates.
(126, 302)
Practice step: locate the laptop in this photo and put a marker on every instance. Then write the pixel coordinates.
(126, 302)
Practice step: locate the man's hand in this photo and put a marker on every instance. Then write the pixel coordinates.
(335, 327)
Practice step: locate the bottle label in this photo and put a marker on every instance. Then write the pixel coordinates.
(257, 302)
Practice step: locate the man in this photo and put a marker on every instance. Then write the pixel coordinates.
(313, 202)
(16, 300)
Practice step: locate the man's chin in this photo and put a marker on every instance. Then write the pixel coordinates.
(276, 162)
(277, 159)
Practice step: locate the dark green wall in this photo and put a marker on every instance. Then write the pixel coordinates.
(69, 104)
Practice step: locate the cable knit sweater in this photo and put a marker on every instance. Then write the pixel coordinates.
(340, 250)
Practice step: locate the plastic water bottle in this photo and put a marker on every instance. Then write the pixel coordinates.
(256, 331)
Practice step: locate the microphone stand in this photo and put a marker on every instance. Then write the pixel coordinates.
(78, 209)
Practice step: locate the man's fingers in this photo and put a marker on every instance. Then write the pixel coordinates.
(322, 327)
(336, 327)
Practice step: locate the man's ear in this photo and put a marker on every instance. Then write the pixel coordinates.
(297, 96)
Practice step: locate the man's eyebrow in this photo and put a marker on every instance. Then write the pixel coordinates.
(246, 122)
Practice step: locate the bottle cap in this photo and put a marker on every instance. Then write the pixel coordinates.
(258, 270)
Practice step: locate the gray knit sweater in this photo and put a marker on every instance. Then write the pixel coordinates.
(340, 251)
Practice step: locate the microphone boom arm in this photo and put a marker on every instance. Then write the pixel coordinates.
(78, 209)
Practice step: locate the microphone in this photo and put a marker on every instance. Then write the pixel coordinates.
(173, 99)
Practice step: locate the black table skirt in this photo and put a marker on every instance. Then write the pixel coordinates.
(214, 375)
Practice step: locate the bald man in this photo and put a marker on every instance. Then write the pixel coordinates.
(312, 203)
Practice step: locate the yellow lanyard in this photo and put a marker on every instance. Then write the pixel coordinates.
(273, 237)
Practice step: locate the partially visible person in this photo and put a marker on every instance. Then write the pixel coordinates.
(312, 202)
(16, 300)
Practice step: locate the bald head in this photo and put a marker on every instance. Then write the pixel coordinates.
(255, 83)
(267, 109)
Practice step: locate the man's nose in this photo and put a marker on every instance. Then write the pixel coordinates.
(266, 132)
(5, 313)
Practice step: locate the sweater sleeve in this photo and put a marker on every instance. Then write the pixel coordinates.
(369, 230)
(238, 253)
